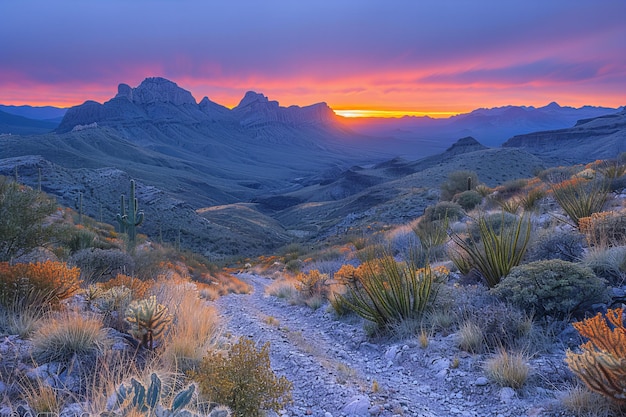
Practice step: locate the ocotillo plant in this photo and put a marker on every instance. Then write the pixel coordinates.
(129, 221)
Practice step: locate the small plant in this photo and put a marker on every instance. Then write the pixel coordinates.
(389, 291)
(553, 288)
(604, 229)
(498, 251)
(468, 199)
(243, 380)
(148, 320)
(580, 198)
(531, 199)
(471, 337)
(508, 369)
(602, 363)
(423, 339)
(59, 339)
(135, 398)
(375, 386)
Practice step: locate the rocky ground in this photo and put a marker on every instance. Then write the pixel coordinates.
(336, 370)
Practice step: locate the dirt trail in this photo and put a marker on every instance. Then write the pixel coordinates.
(336, 371)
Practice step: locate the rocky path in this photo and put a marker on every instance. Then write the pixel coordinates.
(336, 371)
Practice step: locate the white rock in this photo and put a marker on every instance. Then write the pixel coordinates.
(507, 394)
(357, 406)
(481, 381)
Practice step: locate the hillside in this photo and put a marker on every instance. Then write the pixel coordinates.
(596, 138)
(19, 125)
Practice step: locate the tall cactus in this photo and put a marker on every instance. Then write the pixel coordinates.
(131, 220)
(79, 207)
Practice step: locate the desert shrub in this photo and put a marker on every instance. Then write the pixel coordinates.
(97, 265)
(511, 187)
(609, 263)
(468, 199)
(443, 210)
(602, 363)
(497, 251)
(557, 174)
(243, 380)
(431, 234)
(458, 181)
(22, 214)
(42, 283)
(617, 184)
(388, 291)
(580, 401)
(603, 229)
(580, 198)
(138, 288)
(508, 369)
(553, 288)
(566, 245)
(61, 338)
(312, 284)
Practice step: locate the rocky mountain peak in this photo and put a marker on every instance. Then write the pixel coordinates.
(465, 145)
(156, 90)
(252, 97)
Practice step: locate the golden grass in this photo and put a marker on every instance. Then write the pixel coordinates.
(283, 288)
(471, 337)
(62, 336)
(194, 331)
(582, 402)
(508, 369)
(40, 397)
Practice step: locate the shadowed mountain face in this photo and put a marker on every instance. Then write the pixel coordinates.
(590, 139)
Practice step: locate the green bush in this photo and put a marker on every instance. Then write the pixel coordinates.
(553, 244)
(443, 210)
(497, 251)
(458, 181)
(555, 288)
(468, 199)
(22, 212)
(243, 380)
(98, 265)
(503, 220)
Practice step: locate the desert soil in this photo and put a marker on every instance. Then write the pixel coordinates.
(336, 370)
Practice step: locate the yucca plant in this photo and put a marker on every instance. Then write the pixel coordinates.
(389, 291)
(498, 250)
(148, 320)
(580, 198)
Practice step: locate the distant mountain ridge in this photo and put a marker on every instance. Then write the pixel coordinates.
(159, 100)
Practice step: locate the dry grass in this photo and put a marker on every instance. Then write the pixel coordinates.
(40, 397)
(471, 337)
(194, 331)
(508, 369)
(65, 335)
(582, 402)
(283, 288)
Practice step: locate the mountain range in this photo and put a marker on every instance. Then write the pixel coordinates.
(251, 178)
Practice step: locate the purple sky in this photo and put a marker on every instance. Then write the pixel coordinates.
(409, 56)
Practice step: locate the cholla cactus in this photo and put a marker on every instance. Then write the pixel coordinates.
(602, 363)
(136, 398)
(148, 320)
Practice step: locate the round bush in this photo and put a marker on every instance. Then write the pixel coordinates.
(443, 210)
(468, 199)
(551, 244)
(555, 288)
(496, 221)
(99, 265)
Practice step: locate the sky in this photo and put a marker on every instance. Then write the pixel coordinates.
(435, 57)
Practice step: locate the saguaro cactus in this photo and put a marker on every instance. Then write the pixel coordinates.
(79, 207)
(131, 220)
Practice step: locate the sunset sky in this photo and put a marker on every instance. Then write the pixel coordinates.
(438, 57)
